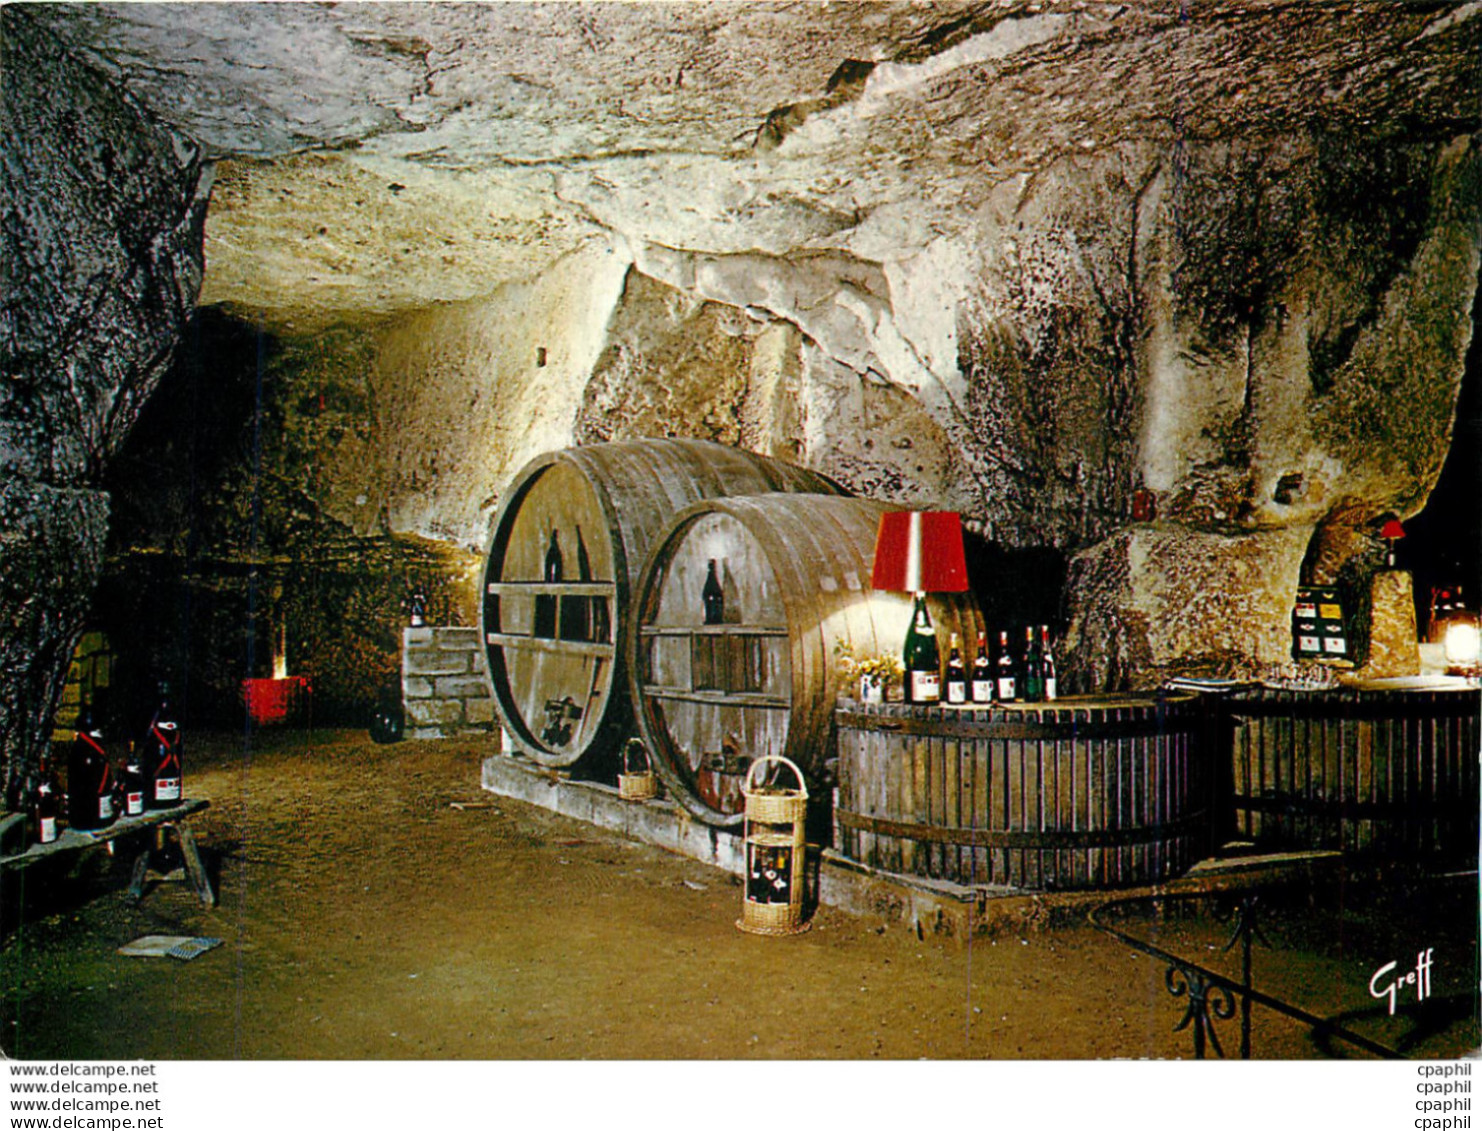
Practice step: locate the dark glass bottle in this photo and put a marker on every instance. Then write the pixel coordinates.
(576, 608)
(922, 662)
(1006, 685)
(982, 688)
(135, 785)
(713, 596)
(1047, 662)
(955, 685)
(89, 778)
(1034, 670)
(546, 603)
(163, 756)
(46, 804)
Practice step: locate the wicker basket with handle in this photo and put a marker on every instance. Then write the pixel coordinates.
(772, 891)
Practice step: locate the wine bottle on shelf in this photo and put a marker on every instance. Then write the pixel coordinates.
(956, 681)
(1006, 685)
(163, 756)
(546, 603)
(46, 804)
(576, 611)
(89, 778)
(1047, 662)
(922, 661)
(982, 688)
(1034, 669)
(135, 785)
(713, 596)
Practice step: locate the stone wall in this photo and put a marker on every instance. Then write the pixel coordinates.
(103, 214)
(444, 685)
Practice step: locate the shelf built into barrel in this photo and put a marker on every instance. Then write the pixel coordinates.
(556, 648)
(1391, 772)
(1077, 794)
(795, 574)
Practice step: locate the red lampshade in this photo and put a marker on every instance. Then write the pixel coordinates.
(1392, 530)
(920, 552)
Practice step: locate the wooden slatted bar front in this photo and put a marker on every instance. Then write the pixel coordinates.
(1081, 793)
(1391, 772)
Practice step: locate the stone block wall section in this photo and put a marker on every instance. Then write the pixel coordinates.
(444, 686)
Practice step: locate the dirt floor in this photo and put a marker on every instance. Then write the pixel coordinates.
(365, 917)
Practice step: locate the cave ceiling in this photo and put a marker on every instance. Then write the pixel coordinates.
(373, 159)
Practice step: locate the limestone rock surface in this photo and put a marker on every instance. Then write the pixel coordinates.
(1026, 259)
(103, 211)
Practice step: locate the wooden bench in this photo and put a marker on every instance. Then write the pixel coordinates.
(157, 821)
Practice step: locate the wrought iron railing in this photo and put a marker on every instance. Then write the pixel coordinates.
(1212, 996)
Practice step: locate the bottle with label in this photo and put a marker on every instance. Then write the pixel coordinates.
(713, 596)
(1034, 668)
(922, 660)
(545, 603)
(163, 754)
(1006, 685)
(89, 778)
(46, 804)
(135, 785)
(1047, 663)
(955, 685)
(982, 688)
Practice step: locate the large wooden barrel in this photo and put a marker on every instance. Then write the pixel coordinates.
(1390, 773)
(795, 572)
(1078, 794)
(555, 650)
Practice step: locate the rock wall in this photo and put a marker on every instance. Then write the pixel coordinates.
(103, 212)
(431, 414)
(929, 279)
(1262, 340)
(1297, 331)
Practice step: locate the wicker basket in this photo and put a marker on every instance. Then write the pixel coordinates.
(774, 824)
(776, 806)
(638, 787)
(772, 918)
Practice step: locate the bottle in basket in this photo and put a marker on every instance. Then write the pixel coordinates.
(772, 901)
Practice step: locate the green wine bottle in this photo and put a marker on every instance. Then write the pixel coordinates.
(922, 662)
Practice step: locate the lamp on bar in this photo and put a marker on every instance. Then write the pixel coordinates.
(920, 552)
(1391, 532)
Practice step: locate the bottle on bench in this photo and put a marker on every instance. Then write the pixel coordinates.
(163, 754)
(89, 774)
